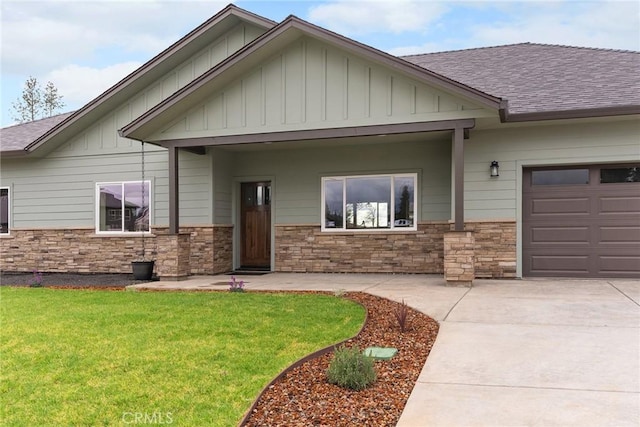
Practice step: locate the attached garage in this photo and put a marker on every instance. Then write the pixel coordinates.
(582, 221)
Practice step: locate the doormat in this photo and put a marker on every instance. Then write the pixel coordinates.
(248, 273)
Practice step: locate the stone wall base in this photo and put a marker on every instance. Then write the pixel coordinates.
(298, 248)
(305, 249)
(173, 256)
(81, 250)
(459, 258)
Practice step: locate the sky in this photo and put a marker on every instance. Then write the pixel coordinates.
(84, 47)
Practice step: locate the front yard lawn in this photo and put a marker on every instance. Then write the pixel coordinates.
(82, 357)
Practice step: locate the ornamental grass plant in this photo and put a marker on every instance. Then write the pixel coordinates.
(351, 369)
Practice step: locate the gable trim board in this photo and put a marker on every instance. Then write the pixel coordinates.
(450, 155)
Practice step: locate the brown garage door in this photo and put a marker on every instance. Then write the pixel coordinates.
(582, 221)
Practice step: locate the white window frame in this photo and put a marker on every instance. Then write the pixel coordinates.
(392, 227)
(122, 217)
(8, 211)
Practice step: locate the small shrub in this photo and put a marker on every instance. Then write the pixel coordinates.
(402, 314)
(235, 285)
(351, 369)
(36, 281)
(339, 292)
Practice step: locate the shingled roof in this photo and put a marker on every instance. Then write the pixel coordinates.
(17, 137)
(540, 78)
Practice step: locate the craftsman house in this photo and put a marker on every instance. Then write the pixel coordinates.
(251, 144)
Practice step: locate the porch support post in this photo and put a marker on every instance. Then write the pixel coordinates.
(174, 207)
(458, 178)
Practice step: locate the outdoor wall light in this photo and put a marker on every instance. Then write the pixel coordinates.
(495, 169)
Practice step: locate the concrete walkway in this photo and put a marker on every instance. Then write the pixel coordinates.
(509, 352)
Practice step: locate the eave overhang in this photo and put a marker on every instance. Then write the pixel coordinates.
(584, 113)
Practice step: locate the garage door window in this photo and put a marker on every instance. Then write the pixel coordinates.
(616, 175)
(560, 177)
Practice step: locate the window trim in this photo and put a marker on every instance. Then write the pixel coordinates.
(122, 217)
(9, 222)
(392, 227)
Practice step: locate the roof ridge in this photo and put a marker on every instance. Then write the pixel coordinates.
(522, 44)
(38, 120)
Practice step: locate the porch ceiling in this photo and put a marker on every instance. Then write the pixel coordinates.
(366, 133)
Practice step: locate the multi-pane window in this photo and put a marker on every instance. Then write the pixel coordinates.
(4, 210)
(369, 202)
(123, 206)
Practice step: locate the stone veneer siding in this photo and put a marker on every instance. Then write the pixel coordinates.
(459, 257)
(173, 256)
(298, 248)
(495, 248)
(304, 248)
(81, 250)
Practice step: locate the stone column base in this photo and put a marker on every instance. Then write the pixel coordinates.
(174, 251)
(459, 254)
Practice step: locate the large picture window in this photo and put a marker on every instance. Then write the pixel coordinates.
(4, 210)
(123, 206)
(369, 202)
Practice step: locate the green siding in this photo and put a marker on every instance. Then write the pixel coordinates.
(102, 137)
(223, 194)
(298, 173)
(60, 191)
(311, 85)
(609, 140)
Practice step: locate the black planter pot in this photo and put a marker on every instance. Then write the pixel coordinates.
(142, 270)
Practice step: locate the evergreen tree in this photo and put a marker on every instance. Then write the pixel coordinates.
(402, 210)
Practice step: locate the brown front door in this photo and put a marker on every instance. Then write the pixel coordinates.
(256, 225)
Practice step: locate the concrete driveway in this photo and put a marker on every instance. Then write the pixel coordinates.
(509, 352)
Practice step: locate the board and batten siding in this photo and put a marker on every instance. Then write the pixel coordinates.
(61, 191)
(312, 85)
(297, 174)
(605, 141)
(102, 137)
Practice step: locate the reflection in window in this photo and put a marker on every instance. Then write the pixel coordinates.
(4, 211)
(560, 177)
(123, 207)
(369, 202)
(333, 203)
(615, 175)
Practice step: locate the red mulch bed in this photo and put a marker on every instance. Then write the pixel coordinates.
(303, 397)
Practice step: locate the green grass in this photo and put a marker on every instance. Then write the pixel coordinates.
(70, 357)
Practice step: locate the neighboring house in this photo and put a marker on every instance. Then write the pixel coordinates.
(287, 147)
